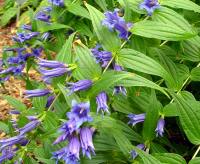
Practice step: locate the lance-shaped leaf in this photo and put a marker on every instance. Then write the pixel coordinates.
(160, 30)
(147, 158)
(170, 158)
(113, 78)
(65, 54)
(189, 117)
(87, 68)
(181, 4)
(135, 60)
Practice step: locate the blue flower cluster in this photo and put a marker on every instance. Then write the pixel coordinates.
(78, 137)
(114, 21)
(9, 146)
(17, 63)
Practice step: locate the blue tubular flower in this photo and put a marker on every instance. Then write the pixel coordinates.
(67, 129)
(86, 141)
(28, 127)
(73, 150)
(150, 6)
(101, 101)
(22, 37)
(13, 60)
(111, 18)
(134, 154)
(7, 154)
(6, 71)
(47, 74)
(42, 16)
(80, 113)
(50, 100)
(37, 93)
(26, 27)
(80, 85)
(59, 3)
(160, 127)
(4, 79)
(123, 28)
(69, 154)
(102, 57)
(134, 119)
(18, 70)
(114, 21)
(58, 155)
(50, 63)
(47, 9)
(10, 141)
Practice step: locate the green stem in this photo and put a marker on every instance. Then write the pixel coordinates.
(108, 64)
(184, 84)
(51, 106)
(196, 152)
(163, 43)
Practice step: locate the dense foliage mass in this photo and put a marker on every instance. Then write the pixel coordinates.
(119, 82)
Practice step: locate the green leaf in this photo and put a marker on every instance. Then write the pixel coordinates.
(147, 158)
(195, 161)
(170, 158)
(108, 39)
(65, 54)
(102, 4)
(195, 74)
(87, 66)
(40, 102)
(4, 127)
(67, 97)
(151, 119)
(50, 121)
(191, 49)
(170, 110)
(123, 106)
(18, 105)
(135, 60)
(168, 65)
(8, 15)
(170, 17)
(77, 9)
(113, 78)
(181, 4)
(123, 143)
(134, 5)
(54, 26)
(189, 117)
(159, 30)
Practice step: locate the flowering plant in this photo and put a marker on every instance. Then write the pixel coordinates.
(116, 83)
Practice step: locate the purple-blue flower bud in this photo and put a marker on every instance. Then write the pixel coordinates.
(136, 118)
(37, 92)
(86, 141)
(160, 127)
(101, 101)
(80, 85)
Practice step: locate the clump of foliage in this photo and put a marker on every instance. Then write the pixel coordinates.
(122, 87)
